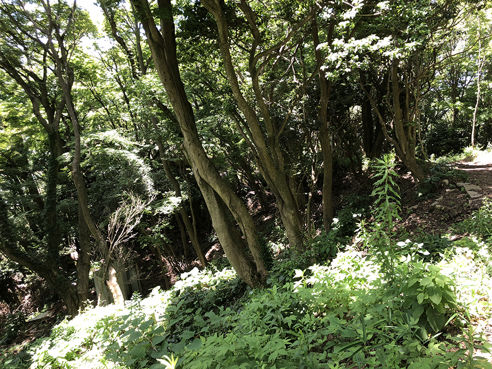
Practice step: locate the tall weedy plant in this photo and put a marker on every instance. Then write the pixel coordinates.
(386, 210)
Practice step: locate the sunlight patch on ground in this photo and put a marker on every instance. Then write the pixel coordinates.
(483, 158)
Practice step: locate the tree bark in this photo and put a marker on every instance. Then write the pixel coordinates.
(268, 149)
(182, 211)
(163, 48)
(83, 260)
(65, 78)
(324, 132)
(480, 63)
(405, 131)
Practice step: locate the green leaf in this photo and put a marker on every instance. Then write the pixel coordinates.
(435, 320)
(158, 366)
(194, 345)
(186, 335)
(158, 339)
(436, 298)
(417, 312)
(426, 282)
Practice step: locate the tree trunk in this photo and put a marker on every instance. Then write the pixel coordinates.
(372, 136)
(83, 260)
(230, 239)
(190, 230)
(50, 212)
(480, 62)
(324, 132)
(104, 296)
(64, 76)
(404, 140)
(267, 146)
(163, 48)
(405, 131)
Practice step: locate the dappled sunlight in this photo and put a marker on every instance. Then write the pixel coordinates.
(254, 184)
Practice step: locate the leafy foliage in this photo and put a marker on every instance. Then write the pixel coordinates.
(386, 208)
(339, 315)
(398, 75)
(479, 224)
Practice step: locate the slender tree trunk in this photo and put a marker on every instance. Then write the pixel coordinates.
(50, 211)
(324, 132)
(182, 233)
(267, 146)
(64, 76)
(83, 261)
(372, 136)
(190, 228)
(404, 141)
(404, 130)
(480, 63)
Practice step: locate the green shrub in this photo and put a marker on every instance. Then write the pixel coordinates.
(437, 173)
(428, 296)
(433, 244)
(347, 314)
(479, 224)
(10, 328)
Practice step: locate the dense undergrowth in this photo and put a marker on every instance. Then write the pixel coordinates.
(378, 302)
(341, 314)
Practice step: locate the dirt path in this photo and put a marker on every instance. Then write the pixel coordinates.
(479, 172)
(454, 200)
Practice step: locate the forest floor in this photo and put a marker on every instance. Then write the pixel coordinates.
(451, 200)
(454, 202)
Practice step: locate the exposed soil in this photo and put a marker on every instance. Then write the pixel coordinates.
(451, 203)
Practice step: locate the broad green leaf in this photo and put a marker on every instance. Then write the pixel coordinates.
(436, 298)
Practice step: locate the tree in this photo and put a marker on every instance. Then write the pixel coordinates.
(267, 148)
(26, 58)
(220, 199)
(127, 35)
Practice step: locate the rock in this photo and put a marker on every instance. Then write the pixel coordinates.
(438, 207)
(435, 204)
(41, 316)
(475, 204)
(472, 187)
(472, 190)
(473, 194)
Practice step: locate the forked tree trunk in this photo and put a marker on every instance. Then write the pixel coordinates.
(267, 146)
(405, 129)
(65, 78)
(405, 134)
(163, 48)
